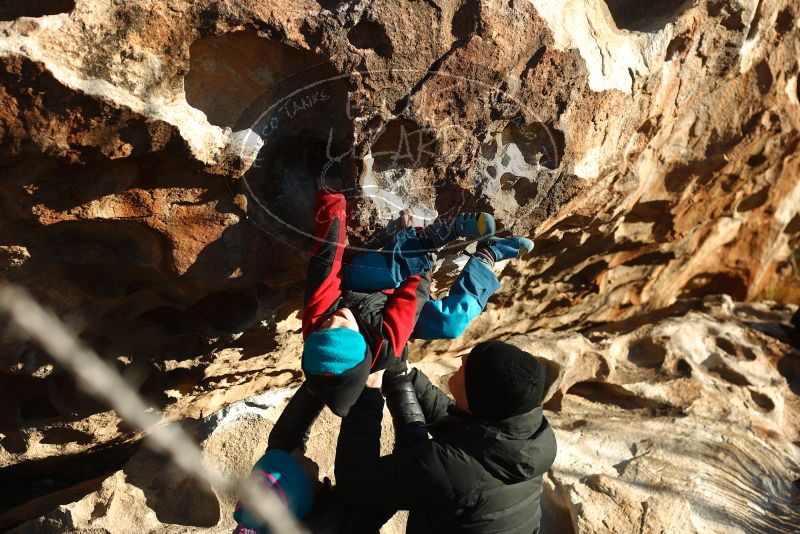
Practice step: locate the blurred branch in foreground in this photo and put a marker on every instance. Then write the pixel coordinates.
(103, 381)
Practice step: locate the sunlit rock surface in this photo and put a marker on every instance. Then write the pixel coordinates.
(680, 420)
(157, 164)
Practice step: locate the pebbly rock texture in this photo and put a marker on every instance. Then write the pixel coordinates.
(674, 421)
(150, 495)
(679, 420)
(158, 159)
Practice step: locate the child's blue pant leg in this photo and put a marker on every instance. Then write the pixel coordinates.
(387, 268)
(449, 317)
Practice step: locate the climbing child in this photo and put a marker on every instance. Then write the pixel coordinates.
(358, 320)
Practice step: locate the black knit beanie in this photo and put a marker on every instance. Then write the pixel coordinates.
(502, 381)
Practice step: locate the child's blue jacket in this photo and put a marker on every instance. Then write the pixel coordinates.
(449, 317)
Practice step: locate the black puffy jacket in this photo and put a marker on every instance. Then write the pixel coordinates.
(473, 476)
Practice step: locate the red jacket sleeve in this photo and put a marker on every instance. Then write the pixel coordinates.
(324, 280)
(401, 311)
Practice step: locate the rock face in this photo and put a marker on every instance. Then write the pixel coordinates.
(149, 495)
(158, 161)
(678, 421)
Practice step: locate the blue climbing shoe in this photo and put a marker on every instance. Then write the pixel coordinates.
(474, 225)
(508, 248)
(468, 225)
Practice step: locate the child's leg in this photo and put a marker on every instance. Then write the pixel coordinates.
(410, 251)
(405, 256)
(292, 429)
(449, 317)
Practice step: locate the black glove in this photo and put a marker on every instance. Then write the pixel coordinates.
(401, 399)
(395, 372)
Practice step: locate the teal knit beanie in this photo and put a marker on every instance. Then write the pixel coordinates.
(279, 470)
(333, 351)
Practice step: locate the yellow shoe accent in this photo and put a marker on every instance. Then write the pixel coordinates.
(481, 225)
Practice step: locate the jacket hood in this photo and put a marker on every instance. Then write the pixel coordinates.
(512, 450)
